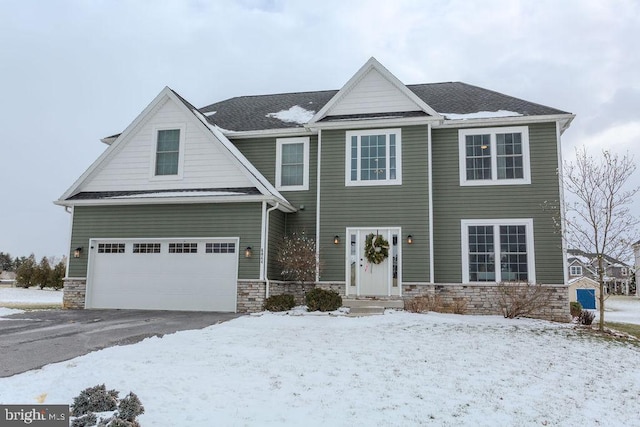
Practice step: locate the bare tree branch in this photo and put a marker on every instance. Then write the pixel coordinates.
(599, 220)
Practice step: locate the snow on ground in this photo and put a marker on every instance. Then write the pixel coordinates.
(621, 309)
(7, 311)
(398, 369)
(30, 296)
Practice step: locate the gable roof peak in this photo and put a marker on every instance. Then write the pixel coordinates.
(396, 86)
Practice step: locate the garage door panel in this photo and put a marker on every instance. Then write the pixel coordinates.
(166, 281)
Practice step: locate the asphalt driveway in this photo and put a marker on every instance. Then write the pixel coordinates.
(33, 339)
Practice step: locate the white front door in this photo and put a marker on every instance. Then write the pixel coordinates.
(368, 278)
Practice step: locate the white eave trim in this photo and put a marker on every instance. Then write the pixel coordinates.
(283, 205)
(563, 119)
(375, 123)
(286, 132)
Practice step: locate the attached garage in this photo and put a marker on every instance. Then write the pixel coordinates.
(191, 274)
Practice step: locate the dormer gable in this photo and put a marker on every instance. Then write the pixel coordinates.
(171, 151)
(374, 92)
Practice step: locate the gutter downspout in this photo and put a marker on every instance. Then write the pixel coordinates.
(266, 248)
(562, 210)
(70, 211)
(430, 166)
(318, 206)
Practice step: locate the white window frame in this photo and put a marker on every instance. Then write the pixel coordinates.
(359, 133)
(573, 270)
(624, 271)
(280, 142)
(496, 223)
(492, 132)
(154, 150)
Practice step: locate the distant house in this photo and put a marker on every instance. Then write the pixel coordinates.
(7, 277)
(187, 207)
(636, 266)
(617, 274)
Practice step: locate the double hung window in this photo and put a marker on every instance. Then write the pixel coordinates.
(168, 154)
(575, 270)
(374, 157)
(494, 156)
(497, 251)
(292, 164)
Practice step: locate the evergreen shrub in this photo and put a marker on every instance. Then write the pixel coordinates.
(575, 308)
(282, 302)
(318, 299)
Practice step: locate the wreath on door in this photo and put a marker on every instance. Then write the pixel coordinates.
(376, 248)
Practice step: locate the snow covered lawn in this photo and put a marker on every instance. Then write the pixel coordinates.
(35, 296)
(622, 309)
(397, 369)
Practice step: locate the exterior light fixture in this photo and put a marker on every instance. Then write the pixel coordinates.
(410, 239)
(336, 239)
(248, 252)
(77, 252)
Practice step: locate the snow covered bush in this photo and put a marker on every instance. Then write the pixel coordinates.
(318, 299)
(419, 304)
(522, 298)
(297, 257)
(99, 399)
(459, 306)
(426, 303)
(282, 302)
(586, 317)
(94, 399)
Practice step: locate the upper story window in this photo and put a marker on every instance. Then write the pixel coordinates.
(494, 156)
(498, 251)
(374, 157)
(623, 271)
(575, 270)
(292, 164)
(169, 152)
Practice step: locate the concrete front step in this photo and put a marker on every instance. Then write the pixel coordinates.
(354, 303)
(365, 311)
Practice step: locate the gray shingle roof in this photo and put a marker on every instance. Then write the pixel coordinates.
(247, 113)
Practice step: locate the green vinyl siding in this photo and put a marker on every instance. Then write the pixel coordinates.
(452, 203)
(405, 206)
(276, 232)
(241, 220)
(261, 152)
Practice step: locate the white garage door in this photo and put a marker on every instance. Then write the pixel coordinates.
(163, 274)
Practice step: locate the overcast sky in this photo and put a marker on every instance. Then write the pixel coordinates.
(73, 72)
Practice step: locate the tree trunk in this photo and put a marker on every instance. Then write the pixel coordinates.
(601, 280)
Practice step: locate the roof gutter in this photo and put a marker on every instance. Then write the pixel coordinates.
(374, 122)
(285, 207)
(563, 119)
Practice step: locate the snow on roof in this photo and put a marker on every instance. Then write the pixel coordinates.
(583, 259)
(481, 115)
(295, 114)
(209, 113)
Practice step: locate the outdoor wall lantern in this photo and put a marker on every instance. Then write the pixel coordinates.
(248, 252)
(410, 239)
(336, 239)
(77, 252)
